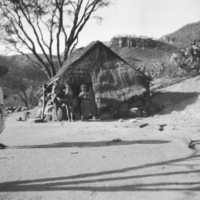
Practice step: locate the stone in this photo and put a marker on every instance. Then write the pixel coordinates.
(121, 120)
(144, 113)
(133, 120)
(143, 125)
(134, 112)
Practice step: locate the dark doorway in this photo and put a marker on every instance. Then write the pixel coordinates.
(76, 91)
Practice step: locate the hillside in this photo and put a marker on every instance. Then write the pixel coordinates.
(4, 61)
(149, 52)
(153, 52)
(183, 37)
(17, 63)
(20, 62)
(132, 159)
(139, 56)
(22, 76)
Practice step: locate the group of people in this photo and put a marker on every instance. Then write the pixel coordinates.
(62, 96)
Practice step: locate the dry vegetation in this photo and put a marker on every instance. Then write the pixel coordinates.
(152, 57)
(183, 37)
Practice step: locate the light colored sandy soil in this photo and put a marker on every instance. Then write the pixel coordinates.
(79, 161)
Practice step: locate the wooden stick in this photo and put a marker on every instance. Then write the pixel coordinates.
(53, 81)
(40, 90)
(43, 99)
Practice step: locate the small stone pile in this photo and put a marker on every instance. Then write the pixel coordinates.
(11, 109)
(132, 110)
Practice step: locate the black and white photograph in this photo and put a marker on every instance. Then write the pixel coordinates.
(99, 99)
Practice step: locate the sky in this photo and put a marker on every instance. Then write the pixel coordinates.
(152, 18)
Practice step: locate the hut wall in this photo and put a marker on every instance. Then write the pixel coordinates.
(115, 84)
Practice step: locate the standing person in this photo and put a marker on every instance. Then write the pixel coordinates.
(69, 99)
(3, 71)
(55, 97)
(85, 103)
(56, 88)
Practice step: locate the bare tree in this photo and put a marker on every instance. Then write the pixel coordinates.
(25, 84)
(60, 18)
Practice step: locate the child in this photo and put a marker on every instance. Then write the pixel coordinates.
(85, 103)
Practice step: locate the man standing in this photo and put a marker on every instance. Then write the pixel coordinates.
(3, 71)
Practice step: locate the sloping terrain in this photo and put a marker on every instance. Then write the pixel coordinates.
(146, 56)
(181, 98)
(142, 50)
(22, 76)
(107, 160)
(22, 62)
(183, 37)
(17, 64)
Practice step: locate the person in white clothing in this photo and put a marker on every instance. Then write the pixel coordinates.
(3, 71)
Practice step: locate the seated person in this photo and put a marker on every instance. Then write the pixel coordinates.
(37, 116)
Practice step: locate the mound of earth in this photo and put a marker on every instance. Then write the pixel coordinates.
(181, 98)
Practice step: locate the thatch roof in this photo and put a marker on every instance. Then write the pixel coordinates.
(110, 75)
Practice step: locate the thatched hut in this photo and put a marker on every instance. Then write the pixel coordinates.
(112, 79)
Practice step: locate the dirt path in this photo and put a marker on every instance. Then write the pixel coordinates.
(80, 160)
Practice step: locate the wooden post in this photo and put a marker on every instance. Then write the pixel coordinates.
(93, 110)
(43, 100)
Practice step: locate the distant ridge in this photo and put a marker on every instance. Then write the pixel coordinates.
(183, 37)
(144, 51)
(155, 52)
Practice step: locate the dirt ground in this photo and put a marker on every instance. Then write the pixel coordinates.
(107, 159)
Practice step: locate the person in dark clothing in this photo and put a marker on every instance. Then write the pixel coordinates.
(68, 96)
(85, 102)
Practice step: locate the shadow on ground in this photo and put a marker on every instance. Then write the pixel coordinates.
(175, 101)
(92, 144)
(73, 183)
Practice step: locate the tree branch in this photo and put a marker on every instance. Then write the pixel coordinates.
(36, 34)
